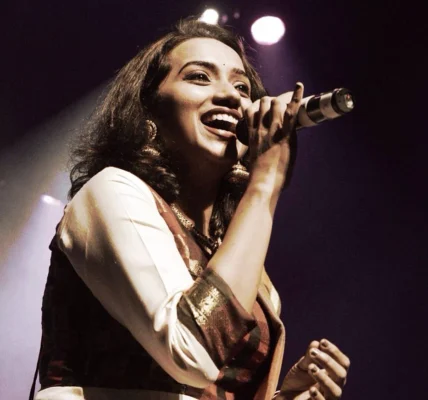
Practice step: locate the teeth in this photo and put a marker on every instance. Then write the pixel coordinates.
(222, 117)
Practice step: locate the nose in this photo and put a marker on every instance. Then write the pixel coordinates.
(227, 95)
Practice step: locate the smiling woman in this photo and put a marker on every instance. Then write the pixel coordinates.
(152, 292)
(199, 104)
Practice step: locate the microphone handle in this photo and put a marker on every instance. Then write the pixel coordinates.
(313, 110)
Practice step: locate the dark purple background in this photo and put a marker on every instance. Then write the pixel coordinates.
(349, 249)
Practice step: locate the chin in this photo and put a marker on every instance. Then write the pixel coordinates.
(222, 152)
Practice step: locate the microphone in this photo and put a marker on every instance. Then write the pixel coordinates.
(313, 110)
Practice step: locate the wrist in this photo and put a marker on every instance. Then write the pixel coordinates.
(269, 171)
(266, 185)
(262, 191)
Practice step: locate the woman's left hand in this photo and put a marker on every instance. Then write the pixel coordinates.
(320, 374)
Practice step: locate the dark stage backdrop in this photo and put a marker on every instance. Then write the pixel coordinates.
(349, 248)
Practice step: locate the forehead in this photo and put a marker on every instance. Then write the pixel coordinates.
(205, 49)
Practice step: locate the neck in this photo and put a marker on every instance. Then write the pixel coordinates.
(198, 192)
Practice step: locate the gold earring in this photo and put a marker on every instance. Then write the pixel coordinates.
(151, 151)
(152, 132)
(153, 129)
(238, 174)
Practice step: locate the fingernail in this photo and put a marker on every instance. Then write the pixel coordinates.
(313, 392)
(313, 369)
(314, 352)
(299, 85)
(324, 343)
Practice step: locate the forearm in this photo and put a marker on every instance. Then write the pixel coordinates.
(240, 259)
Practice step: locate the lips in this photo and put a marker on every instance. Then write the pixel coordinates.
(221, 122)
(220, 132)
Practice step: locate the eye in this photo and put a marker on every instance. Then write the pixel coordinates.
(243, 88)
(197, 76)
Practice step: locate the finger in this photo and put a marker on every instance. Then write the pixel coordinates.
(306, 395)
(250, 114)
(264, 115)
(277, 118)
(290, 115)
(334, 352)
(315, 393)
(251, 117)
(334, 369)
(304, 362)
(297, 96)
(329, 388)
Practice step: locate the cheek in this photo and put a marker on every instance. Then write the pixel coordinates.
(179, 105)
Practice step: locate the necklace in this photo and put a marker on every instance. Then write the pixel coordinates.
(208, 244)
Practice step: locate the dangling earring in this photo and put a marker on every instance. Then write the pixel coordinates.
(153, 129)
(238, 174)
(152, 132)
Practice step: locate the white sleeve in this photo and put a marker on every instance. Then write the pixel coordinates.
(121, 247)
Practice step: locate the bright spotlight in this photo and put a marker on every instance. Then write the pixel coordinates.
(210, 16)
(51, 200)
(268, 30)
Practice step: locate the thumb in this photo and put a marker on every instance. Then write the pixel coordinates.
(304, 362)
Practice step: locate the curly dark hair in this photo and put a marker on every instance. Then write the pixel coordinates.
(118, 131)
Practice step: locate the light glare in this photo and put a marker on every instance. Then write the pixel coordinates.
(210, 16)
(50, 200)
(268, 30)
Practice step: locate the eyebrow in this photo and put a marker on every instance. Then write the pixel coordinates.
(212, 67)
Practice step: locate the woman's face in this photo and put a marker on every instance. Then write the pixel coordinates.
(200, 102)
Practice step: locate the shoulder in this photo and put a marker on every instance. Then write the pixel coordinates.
(115, 181)
(111, 196)
(112, 203)
(112, 176)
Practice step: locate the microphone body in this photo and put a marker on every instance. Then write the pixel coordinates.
(313, 110)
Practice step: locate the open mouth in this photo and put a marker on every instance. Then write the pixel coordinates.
(222, 123)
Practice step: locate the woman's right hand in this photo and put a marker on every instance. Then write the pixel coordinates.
(271, 126)
(272, 139)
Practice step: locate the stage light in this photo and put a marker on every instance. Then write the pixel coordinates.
(268, 30)
(210, 16)
(51, 200)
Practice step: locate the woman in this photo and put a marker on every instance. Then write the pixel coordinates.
(156, 288)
